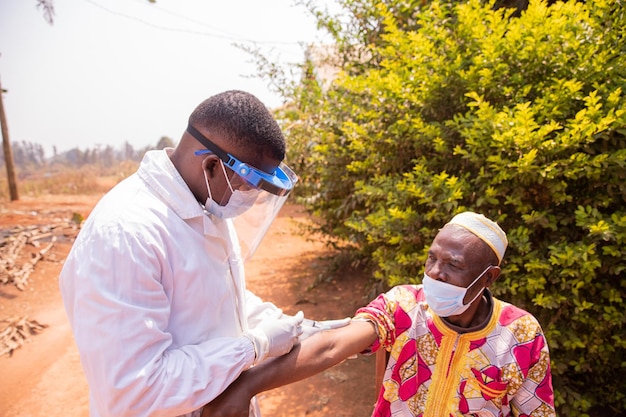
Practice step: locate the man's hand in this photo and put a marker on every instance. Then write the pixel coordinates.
(275, 337)
(282, 333)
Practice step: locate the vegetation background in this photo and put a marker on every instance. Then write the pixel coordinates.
(515, 112)
(421, 109)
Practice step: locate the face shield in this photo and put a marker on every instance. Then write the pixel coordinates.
(273, 190)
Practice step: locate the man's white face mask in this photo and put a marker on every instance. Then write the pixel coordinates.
(239, 201)
(445, 299)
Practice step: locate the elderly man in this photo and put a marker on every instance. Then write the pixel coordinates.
(454, 348)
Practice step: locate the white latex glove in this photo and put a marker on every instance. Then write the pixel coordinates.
(310, 327)
(275, 337)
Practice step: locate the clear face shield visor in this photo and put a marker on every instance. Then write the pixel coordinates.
(272, 188)
(252, 225)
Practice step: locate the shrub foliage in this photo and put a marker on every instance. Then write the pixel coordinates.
(447, 106)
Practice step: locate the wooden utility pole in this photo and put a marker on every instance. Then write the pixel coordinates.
(8, 155)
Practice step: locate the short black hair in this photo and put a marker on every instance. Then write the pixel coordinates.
(241, 118)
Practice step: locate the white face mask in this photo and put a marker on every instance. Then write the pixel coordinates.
(239, 201)
(445, 299)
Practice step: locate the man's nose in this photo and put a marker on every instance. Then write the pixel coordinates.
(435, 271)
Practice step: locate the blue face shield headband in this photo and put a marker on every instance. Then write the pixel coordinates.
(279, 183)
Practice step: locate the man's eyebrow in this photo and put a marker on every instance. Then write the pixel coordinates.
(454, 260)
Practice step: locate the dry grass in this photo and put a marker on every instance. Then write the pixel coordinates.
(88, 179)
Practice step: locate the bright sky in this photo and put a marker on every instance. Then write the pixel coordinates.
(111, 71)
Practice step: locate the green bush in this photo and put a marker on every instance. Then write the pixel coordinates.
(448, 106)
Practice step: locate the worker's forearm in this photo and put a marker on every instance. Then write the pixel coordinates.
(235, 401)
(304, 360)
(315, 354)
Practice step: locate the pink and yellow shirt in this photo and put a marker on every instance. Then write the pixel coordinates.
(501, 368)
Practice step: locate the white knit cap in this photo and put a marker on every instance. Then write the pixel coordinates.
(487, 230)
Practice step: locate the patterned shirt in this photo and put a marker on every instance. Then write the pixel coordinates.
(501, 368)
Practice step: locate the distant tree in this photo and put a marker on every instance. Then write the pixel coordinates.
(28, 154)
(73, 157)
(129, 151)
(88, 157)
(165, 142)
(107, 157)
(48, 10)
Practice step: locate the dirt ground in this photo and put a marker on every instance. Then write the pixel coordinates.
(44, 377)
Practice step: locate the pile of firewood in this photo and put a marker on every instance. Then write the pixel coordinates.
(21, 248)
(17, 332)
(16, 263)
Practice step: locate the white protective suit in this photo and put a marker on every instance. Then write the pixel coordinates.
(155, 293)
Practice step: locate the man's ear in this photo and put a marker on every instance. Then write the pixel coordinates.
(210, 165)
(492, 275)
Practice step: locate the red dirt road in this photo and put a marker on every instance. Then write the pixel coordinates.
(44, 377)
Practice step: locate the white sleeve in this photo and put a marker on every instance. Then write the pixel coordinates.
(258, 310)
(119, 312)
